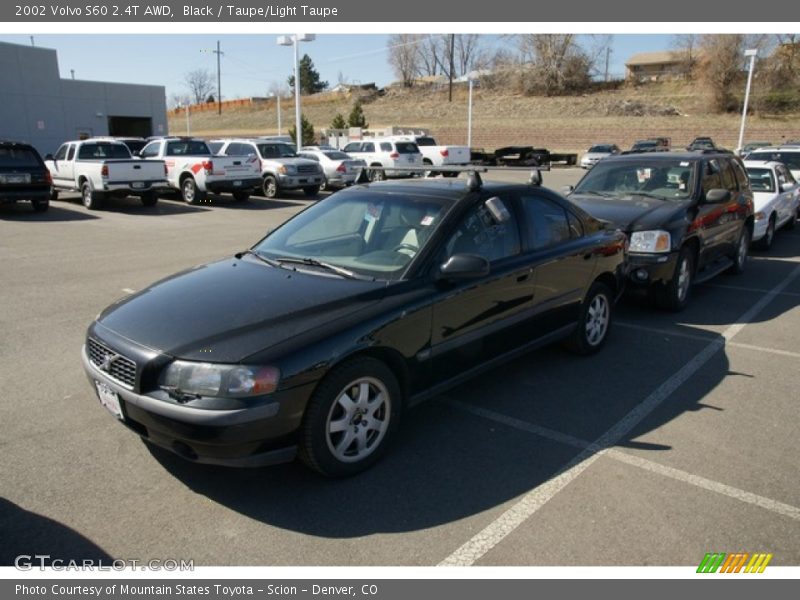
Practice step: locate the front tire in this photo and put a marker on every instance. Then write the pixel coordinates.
(765, 243)
(269, 187)
(311, 190)
(675, 294)
(594, 322)
(91, 199)
(350, 418)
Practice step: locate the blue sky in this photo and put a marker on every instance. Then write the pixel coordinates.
(251, 63)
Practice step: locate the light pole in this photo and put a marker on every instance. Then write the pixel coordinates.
(294, 40)
(752, 54)
(186, 108)
(278, 100)
(471, 78)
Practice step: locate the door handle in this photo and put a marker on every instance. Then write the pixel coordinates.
(523, 277)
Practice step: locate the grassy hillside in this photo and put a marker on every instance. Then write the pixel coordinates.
(677, 110)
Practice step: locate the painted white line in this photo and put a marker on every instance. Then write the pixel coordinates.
(707, 484)
(680, 334)
(745, 289)
(128, 291)
(774, 259)
(531, 502)
(642, 463)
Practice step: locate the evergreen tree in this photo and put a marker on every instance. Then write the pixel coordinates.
(338, 122)
(307, 128)
(357, 118)
(309, 77)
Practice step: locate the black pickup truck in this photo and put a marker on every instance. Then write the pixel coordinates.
(688, 216)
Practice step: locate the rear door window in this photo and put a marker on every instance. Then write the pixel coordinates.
(407, 148)
(386, 147)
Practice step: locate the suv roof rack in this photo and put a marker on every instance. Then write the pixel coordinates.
(474, 180)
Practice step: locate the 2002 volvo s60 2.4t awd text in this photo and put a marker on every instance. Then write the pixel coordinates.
(369, 301)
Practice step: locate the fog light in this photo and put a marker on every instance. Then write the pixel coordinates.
(641, 274)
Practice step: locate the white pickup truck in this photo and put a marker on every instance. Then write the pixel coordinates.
(194, 170)
(439, 156)
(102, 168)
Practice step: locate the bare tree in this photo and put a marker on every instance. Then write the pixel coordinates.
(598, 49)
(200, 84)
(559, 64)
(404, 57)
(469, 54)
(179, 100)
(687, 45)
(721, 64)
(431, 51)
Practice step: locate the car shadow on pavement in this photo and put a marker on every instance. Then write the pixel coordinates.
(23, 212)
(465, 453)
(256, 203)
(28, 534)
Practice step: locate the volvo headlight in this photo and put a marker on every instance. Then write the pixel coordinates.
(650, 241)
(218, 380)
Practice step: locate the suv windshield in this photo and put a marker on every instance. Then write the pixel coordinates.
(601, 148)
(371, 234)
(667, 179)
(790, 158)
(276, 151)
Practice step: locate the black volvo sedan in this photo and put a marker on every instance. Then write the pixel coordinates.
(313, 341)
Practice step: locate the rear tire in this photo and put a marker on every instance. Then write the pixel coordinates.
(91, 199)
(189, 191)
(594, 323)
(376, 174)
(675, 294)
(40, 205)
(149, 199)
(350, 418)
(241, 196)
(54, 194)
(742, 247)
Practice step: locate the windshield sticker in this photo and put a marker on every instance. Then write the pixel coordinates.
(373, 212)
(685, 163)
(643, 175)
(426, 220)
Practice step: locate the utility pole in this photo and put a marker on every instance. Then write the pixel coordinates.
(452, 59)
(32, 42)
(219, 53)
(72, 72)
(608, 54)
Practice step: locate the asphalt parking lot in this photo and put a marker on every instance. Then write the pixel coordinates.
(679, 438)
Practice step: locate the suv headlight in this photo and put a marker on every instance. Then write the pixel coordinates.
(650, 241)
(218, 380)
(287, 170)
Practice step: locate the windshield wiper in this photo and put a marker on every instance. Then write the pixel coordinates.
(269, 261)
(313, 262)
(595, 193)
(647, 195)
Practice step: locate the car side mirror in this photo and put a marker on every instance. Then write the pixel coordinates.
(787, 186)
(718, 196)
(567, 189)
(48, 157)
(464, 266)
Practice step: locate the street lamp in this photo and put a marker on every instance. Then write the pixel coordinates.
(471, 78)
(752, 54)
(277, 96)
(294, 40)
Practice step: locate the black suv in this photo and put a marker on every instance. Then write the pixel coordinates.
(688, 216)
(23, 175)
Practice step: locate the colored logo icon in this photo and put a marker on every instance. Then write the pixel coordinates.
(743, 562)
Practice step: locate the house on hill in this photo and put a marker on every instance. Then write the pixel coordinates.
(656, 66)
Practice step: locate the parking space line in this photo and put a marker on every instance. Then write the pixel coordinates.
(744, 289)
(128, 290)
(781, 508)
(690, 336)
(486, 539)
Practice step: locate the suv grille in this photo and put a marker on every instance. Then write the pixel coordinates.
(117, 367)
(306, 168)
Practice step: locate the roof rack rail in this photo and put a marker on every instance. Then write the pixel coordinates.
(474, 181)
